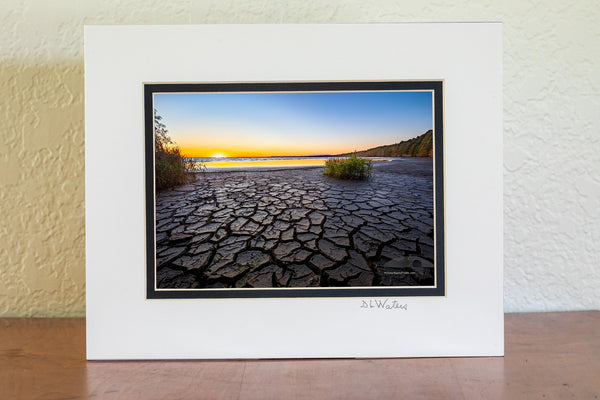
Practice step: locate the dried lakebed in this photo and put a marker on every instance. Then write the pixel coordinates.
(298, 228)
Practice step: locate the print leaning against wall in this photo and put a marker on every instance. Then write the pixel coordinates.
(297, 189)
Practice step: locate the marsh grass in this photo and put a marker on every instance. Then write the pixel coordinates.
(353, 167)
(173, 168)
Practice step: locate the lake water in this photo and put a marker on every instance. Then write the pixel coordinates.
(240, 163)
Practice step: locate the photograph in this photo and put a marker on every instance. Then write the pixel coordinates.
(294, 188)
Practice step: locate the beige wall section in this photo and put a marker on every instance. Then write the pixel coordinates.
(41, 190)
(551, 142)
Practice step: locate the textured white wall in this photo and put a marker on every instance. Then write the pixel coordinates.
(551, 145)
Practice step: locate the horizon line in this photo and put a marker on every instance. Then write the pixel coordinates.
(309, 155)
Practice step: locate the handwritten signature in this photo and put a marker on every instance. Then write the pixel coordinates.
(383, 304)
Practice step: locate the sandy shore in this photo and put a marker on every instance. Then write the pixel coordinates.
(297, 228)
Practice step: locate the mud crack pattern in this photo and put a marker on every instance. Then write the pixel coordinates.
(298, 228)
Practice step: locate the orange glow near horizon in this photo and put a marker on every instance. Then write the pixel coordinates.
(213, 142)
(267, 163)
(297, 151)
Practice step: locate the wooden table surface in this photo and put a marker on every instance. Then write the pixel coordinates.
(548, 356)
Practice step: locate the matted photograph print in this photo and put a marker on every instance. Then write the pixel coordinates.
(300, 189)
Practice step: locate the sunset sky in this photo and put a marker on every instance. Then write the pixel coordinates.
(291, 124)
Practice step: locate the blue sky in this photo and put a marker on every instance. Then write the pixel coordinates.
(283, 123)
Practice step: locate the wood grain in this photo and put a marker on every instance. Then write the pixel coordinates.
(548, 356)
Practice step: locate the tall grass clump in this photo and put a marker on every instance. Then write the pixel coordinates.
(353, 167)
(171, 167)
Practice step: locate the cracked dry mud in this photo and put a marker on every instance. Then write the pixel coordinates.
(298, 228)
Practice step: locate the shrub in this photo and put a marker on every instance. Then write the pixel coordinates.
(353, 167)
(171, 168)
